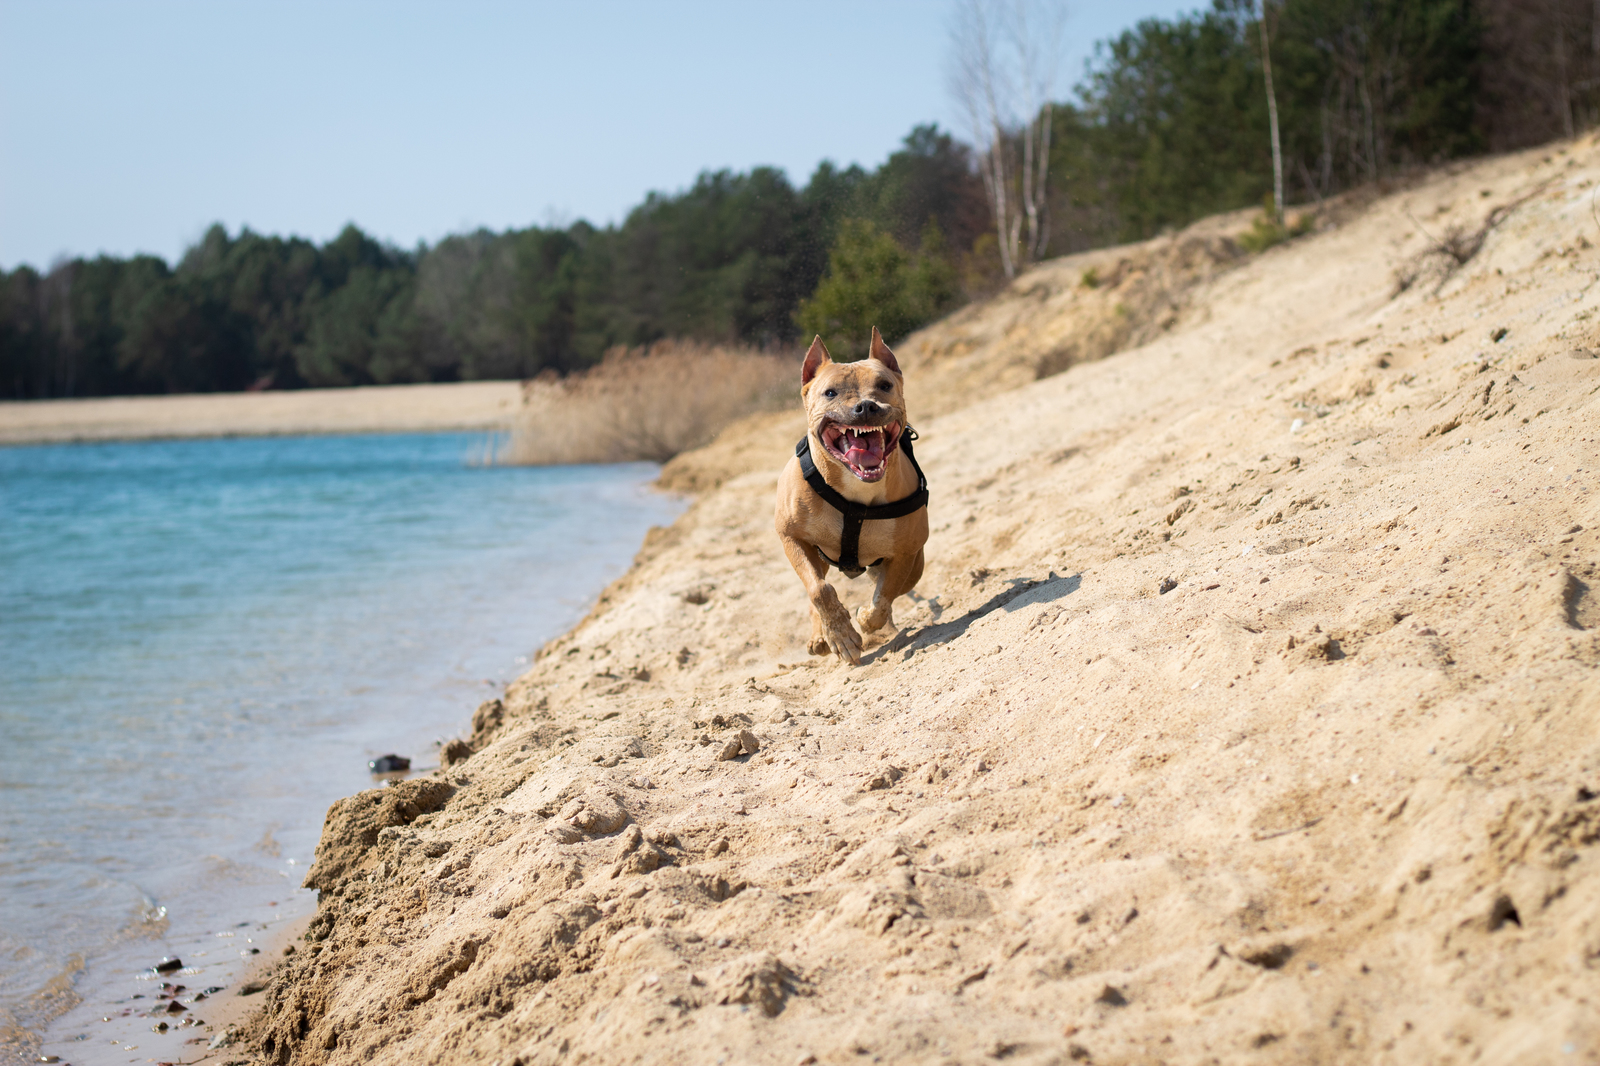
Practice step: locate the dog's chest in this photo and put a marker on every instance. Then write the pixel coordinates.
(879, 539)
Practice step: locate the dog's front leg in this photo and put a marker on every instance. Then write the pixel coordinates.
(830, 621)
(896, 577)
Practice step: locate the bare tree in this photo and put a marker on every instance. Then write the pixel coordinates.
(1005, 57)
(1272, 116)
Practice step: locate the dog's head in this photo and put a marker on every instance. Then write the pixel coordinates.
(856, 411)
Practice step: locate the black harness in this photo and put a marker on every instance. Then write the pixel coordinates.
(857, 513)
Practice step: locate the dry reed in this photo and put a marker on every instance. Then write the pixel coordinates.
(646, 403)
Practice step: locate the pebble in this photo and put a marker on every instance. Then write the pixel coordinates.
(388, 764)
(1112, 997)
(169, 965)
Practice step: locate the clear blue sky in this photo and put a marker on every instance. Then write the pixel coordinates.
(131, 125)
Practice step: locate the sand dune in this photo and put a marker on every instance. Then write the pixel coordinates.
(1249, 710)
(466, 405)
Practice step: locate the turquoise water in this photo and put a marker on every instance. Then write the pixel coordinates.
(201, 644)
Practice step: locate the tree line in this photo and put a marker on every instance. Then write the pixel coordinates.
(1169, 124)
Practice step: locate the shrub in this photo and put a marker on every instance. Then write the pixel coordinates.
(1265, 230)
(645, 403)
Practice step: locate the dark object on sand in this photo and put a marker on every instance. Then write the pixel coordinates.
(388, 764)
(168, 965)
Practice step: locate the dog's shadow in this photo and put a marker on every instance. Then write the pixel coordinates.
(1020, 593)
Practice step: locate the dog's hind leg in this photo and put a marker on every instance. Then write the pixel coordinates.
(896, 577)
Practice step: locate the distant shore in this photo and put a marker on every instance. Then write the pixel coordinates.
(466, 405)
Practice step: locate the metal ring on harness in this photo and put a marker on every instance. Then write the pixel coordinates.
(857, 513)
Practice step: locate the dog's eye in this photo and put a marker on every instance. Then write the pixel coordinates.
(831, 393)
(885, 386)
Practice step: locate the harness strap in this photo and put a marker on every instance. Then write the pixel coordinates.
(857, 513)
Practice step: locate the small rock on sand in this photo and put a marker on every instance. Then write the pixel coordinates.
(389, 764)
(745, 743)
(1112, 996)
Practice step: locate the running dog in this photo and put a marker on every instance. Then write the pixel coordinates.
(853, 492)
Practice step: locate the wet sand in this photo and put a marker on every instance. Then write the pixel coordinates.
(458, 406)
(231, 1008)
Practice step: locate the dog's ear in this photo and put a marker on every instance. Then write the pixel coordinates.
(816, 356)
(880, 351)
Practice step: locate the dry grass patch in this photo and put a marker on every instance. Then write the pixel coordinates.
(646, 403)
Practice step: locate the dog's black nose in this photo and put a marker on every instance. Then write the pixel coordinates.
(867, 407)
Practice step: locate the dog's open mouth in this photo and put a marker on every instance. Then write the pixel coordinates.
(865, 450)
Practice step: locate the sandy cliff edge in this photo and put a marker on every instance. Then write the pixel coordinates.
(1249, 710)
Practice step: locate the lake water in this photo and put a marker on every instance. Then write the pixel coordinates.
(201, 645)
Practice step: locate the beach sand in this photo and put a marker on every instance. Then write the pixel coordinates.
(1249, 710)
(466, 405)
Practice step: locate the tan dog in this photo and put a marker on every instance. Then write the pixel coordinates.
(863, 486)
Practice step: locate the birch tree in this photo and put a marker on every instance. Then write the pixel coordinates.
(1005, 57)
(1272, 118)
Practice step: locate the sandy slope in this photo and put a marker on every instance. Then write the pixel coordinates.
(466, 405)
(1330, 798)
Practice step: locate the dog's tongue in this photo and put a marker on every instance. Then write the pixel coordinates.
(865, 451)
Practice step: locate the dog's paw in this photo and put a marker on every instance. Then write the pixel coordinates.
(870, 623)
(845, 642)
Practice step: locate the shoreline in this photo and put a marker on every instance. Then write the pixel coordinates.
(235, 1010)
(510, 625)
(465, 406)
